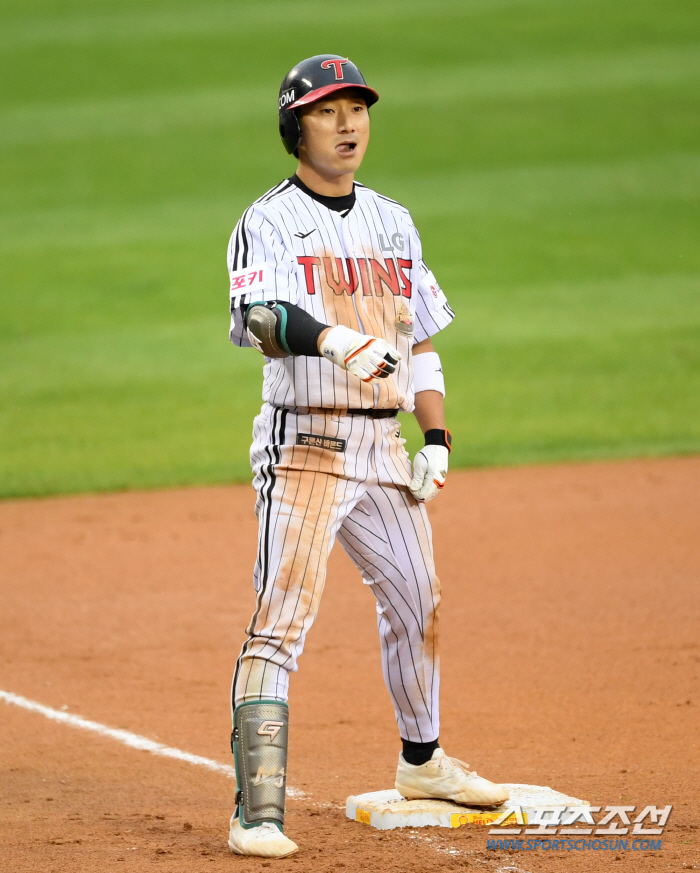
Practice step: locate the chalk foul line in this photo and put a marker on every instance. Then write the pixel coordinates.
(127, 738)
(136, 741)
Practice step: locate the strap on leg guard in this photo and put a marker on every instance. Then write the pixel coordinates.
(260, 730)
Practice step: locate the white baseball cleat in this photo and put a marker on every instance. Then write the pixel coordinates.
(262, 841)
(443, 778)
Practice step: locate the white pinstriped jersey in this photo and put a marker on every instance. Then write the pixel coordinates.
(362, 268)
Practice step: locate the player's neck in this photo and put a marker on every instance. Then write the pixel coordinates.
(328, 186)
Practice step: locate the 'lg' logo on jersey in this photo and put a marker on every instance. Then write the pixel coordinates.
(396, 244)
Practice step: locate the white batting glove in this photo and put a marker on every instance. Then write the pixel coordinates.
(429, 472)
(366, 357)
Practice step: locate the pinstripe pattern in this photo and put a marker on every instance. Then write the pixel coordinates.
(306, 498)
(376, 228)
(363, 268)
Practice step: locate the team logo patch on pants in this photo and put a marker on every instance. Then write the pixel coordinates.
(333, 444)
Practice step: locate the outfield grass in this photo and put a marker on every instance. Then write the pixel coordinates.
(548, 149)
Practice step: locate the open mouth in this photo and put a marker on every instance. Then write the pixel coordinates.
(346, 148)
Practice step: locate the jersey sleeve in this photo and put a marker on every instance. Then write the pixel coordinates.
(433, 312)
(260, 268)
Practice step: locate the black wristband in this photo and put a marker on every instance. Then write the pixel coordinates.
(437, 437)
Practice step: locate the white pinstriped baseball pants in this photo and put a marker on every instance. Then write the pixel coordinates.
(308, 495)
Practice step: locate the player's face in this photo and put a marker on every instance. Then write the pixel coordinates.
(335, 133)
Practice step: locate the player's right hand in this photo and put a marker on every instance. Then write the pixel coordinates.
(367, 357)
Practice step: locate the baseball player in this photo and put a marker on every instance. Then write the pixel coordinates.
(328, 282)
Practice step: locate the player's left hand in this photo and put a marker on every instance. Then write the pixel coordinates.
(429, 472)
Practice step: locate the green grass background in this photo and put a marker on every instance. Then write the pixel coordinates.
(549, 151)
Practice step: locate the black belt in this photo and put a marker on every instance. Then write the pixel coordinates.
(322, 410)
(375, 413)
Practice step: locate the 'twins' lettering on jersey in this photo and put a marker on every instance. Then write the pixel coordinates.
(368, 275)
(360, 266)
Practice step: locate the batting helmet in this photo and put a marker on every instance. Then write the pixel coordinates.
(312, 80)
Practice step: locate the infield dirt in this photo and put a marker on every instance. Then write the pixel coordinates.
(570, 658)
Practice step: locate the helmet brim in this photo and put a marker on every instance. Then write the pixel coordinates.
(320, 93)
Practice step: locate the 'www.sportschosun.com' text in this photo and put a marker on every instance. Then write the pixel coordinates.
(569, 845)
